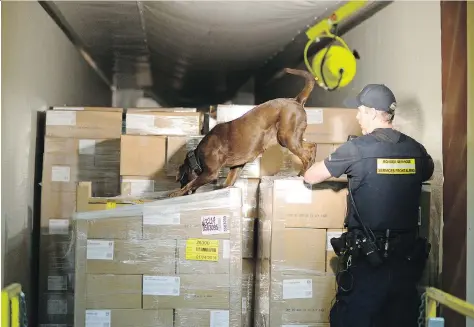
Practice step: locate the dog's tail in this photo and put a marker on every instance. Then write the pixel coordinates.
(308, 88)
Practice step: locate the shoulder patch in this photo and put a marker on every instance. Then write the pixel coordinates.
(394, 166)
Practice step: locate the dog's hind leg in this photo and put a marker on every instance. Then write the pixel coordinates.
(290, 136)
(233, 175)
(196, 183)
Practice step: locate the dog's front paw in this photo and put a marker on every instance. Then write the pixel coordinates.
(175, 194)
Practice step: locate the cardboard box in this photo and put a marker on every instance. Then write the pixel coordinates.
(160, 109)
(142, 185)
(228, 112)
(113, 291)
(293, 299)
(203, 256)
(129, 257)
(177, 148)
(84, 124)
(125, 318)
(186, 224)
(331, 125)
(209, 291)
(250, 170)
(332, 259)
(290, 248)
(203, 318)
(164, 123)
(56, 308)
(61, 172)
(143, 156)
(85, 147)
(287, 202)
(278, 160)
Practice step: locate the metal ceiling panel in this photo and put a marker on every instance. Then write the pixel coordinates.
(199, 52)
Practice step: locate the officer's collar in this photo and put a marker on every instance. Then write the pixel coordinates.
(386, 134)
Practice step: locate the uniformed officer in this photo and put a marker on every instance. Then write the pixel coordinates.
(383, 255)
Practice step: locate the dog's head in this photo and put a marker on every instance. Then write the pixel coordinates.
(185, 174)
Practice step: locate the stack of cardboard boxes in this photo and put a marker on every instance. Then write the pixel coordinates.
(295, 282)
(81, 144)
(129, 263)
(171, 262)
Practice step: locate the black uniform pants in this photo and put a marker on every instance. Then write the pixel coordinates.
(383, 296)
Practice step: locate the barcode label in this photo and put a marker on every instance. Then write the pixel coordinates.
(61, 118)
(314, 116)
(141, 122)
(87, 146)
(219, 318)
(98, 318)
(58, 226)
(100, 250)
(212, 225)
(57, 283)
(297, 289)
(161, 285)
(60, 174)
(57, 307)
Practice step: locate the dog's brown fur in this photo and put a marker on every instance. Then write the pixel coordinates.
(237, 142)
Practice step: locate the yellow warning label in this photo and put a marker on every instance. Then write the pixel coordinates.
(110, 205)
(396, 166)
(202, 249)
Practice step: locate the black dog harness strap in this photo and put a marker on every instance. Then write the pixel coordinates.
(193, 162)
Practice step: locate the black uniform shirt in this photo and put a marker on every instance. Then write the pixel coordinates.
(384, 200)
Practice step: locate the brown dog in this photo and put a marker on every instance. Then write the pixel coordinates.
(237, 142)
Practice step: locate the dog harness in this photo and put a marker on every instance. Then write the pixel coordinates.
(193, 162)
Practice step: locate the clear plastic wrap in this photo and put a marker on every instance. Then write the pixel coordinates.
(163, 123)
(101, 123)
(182, 254)
(77, 152)
(293, 283)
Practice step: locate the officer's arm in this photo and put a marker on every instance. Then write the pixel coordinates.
(428, 168)
(338, 163)
(317, 173)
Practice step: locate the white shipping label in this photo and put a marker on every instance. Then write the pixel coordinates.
(244, 304)
(57, 307)
(314, 116)
(212, 225)
(152, 216)
(219, 318)
(98, 318)
(57, 283)
(69, 108)
(226, 249)
(297, 289)
(140, 187)
(161, 285)
(61, 174)
(58, 226)
(100, 250)
(87, 147)
(299, 194)
(140, 121)
(61, 118)
(328, 239)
